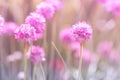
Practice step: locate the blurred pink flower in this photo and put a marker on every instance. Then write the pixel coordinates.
(82, 31)
(114, 56)
(66, 36)
(26, 32)
(36, 54)
(56, 3)
(74, 47)
(104, 48)
(1, 21)
(45, 9)
(21, 75)
(9, 28)
(87, 56)
(37, 21)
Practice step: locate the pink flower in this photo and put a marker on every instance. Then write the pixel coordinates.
(56, 3)
(87, 56)
(37, 21)
(66, 36)
(9, 28)
(26, 32)
(46, 9)
(75, 47)
(37, 54)
(82, 31)
(104, 48)
(1, 21)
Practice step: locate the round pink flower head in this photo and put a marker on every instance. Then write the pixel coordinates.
(1, 21)
(82, 31)
(37, 21)
(37, 54)
(9, 28)
(66, 36)
(56, 3)
(46, 9)
(26, 32)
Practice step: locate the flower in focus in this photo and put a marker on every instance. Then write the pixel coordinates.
(36, 54)
(66, 36)
(56, 3)
(82, 31)
(37, 21)
(26, 32)
(9, 28)
(46, 9)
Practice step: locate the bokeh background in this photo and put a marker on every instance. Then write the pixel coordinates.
(101, 54)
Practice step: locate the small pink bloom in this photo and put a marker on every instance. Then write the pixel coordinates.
(26, 32)
(104, 48)
(37, 21)
(37, 54)
(66, 36)
(9, 28)
(82, 31)
(87, 56)
(46, 9)
(56, 3)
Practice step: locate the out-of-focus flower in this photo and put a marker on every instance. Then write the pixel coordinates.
(87, 56)
(82, 31)
(9, 28)
(1, 21)
(56, 3)
(14, 57)
(114, 56)
(112, 6)
(17, 55)
(21, 75)
(46, 9)
(66, 36)
(74, 47)
(37, 21)
(57, 64)
(26, 32)
(104, 48)
(36, 54)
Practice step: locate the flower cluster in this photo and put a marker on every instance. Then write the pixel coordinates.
(1, 24)
(36, 54)
(82, 31)
(35, 22)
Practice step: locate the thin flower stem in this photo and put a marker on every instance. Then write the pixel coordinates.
(80, 62)
(25, 60)
(59, 54)
(34, 70)
(42, 71)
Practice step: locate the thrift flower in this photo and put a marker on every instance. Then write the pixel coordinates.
(37, 54)
(46, 9)
(82, 31)
(37, 21)
(9, 28)
(66, 36)
(56, 3)
(26, 32)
